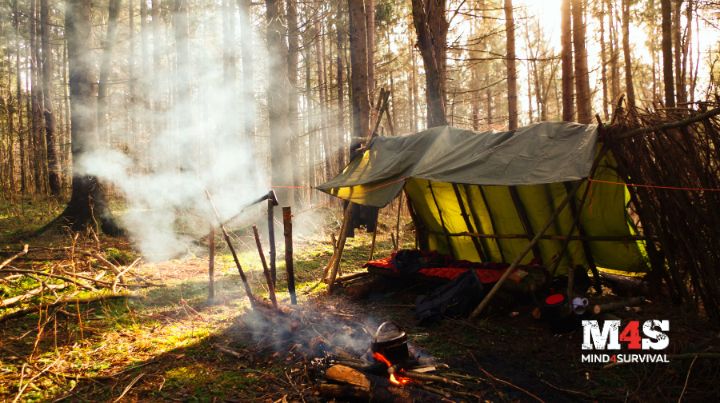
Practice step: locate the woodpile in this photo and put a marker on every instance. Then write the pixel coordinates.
(669, 158)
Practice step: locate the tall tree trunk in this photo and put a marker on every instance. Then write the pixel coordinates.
(248, 69)
(370, 31)
(687, 47)
(292, 68)
(277, 95)
(603, 62)
(568, 89)
(105, 65)
(679, 51)
(311, 122)
(339, 78)
(87, 201)
(431, 27)
(669, 87)
(132, 78)
(359, 65)
(36, 94)
(184, 69)
(54, 179)
(18, 84)
(582, 79)
(614, 53)
(629, 87)
(510, 63)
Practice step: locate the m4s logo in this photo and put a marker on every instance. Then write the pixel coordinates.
(650, 335)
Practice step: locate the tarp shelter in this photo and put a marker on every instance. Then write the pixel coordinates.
(482, 196)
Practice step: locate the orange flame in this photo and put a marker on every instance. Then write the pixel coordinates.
(395, 380)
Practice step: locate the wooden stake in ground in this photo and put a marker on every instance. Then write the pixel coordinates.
(268, 276)
(272, 202)
(484, 303)
(226, 236)
(211, 264)
(289, 267)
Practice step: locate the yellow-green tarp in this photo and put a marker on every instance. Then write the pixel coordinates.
(462, 184)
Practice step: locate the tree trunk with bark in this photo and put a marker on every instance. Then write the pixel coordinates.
(629, 87)
(248, 69)
(281, 155)
(582, 79)
(568, 89)
(510, 64)
(54, 170)
(292, 69)
(108, 44)
(87, 203)
(431, 27)
(669, 87)
(341, 35)
(678, 51)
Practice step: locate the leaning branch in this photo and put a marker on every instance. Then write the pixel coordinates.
(13, 257)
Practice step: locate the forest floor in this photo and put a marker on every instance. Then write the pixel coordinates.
(167, 342)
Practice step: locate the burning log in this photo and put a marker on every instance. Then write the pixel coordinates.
(364, 386)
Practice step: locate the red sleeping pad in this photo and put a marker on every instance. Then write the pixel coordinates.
(435, 265)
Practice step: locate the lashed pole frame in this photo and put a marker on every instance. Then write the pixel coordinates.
(442, 220)
(556, 213)
(482, 253)
(524, 220)
(491, 219)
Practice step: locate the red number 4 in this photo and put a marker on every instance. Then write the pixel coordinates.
(631, 335)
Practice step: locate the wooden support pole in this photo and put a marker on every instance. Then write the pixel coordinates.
(289, 265)
(226, 236)
(372, 243)
(396, 244)
(524, 220)
(482, 253)
(442, 220)
(335, 260)
(266, 272)
(484, 303)
(211, 264)
(271, 238)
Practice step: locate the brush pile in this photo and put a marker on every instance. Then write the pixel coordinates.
(40, 278)
(670, 159)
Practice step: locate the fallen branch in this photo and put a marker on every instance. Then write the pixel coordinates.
(13, 257)
(119, 276)
(430, 378)
(23, 312)
(23, 297)
(53, 275)
(129, 386)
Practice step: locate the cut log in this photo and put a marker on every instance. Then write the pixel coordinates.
(611, 306)
(345, 374)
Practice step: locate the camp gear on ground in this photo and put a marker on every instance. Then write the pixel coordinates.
(456, 298)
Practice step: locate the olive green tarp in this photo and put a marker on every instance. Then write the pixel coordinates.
(462, 185)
